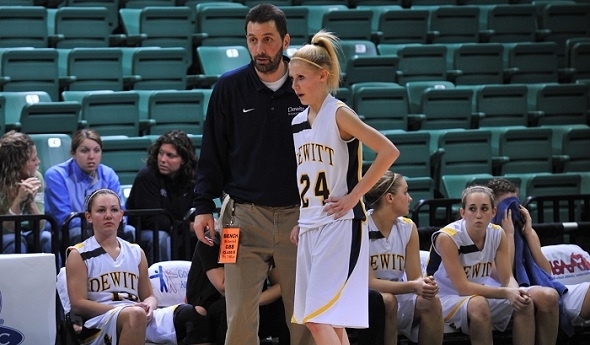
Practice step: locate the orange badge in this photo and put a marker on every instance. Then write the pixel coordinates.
(230, 238)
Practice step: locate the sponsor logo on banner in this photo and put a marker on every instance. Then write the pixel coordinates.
(8, 335)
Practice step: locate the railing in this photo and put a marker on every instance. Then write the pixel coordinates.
(34, 225)
(440, 211)
(576, 206)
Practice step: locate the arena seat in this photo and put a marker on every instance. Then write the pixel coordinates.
(398, 25)
(455, 24)
(125, 155)
(155, 68)
(564, 20)
(383, 106)
(112, 7)
(79, 27)
(297, 17)
(52, 149)
(23, 26)
(216, 60)
(220, 25)
(87, 69)
(109, 112)
(476, 63)
(508, 23)
(157, 26)
(426, 62)
(30, 69)
(361, 63)
(170, 109)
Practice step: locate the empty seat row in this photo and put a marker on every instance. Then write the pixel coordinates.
(463, 63)
(441, 105)
(111, 113)
(444, 162)
(142, 68)
(383, 24)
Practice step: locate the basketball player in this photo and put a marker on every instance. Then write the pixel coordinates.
(332, 274)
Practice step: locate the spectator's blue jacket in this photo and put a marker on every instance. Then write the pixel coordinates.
(67, 186)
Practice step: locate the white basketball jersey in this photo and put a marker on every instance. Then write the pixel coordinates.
(111, 281)
(326, 164)
(477, 264)
(388, 254)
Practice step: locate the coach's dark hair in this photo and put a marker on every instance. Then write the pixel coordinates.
(265, 12)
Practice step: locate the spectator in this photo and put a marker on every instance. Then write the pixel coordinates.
(206, 288)
(462, 258)
(332, 245)
(532, 268)
(109, 287)
(166, 182)
(21, 190)
(411, 302)
(70, 182)
(247, 152)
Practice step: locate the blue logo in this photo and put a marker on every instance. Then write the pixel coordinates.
(9, 336)
(160, 275)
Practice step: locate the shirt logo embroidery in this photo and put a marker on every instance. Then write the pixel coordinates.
(247, 110)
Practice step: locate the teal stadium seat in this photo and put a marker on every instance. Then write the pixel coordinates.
(559, 104)
(510, 23)
(415, 163)
(168, 109)
(502, 105)
(112, 7)
(155, 68)
(563, 21)
(398, 25)
(297, 19)
(30, 69)
(86, 69)
(221, 25)
(109, 112)
(362, 63)
(79, 27)
(125, 155)
(528, 150)
(13, 104)
(147, 3)
(51, 117)
(531, 62)
(553, 185)
(23, 26)
(347, 24)
(578, 57)
(216, 60)
(416, 89)
(464, 154)
(455, 24)
(52, 149)
(476, 63)
(158, 26)
(383, 106)
(448, 109)
(575, 146)
(418, 62)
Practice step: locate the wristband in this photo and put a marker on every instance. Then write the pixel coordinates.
(12, 213)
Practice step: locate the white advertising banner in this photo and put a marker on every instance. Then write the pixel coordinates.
(27, 299)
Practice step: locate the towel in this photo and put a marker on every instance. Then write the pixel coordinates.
(526, 270)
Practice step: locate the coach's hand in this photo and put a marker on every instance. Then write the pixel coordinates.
(202, 223)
